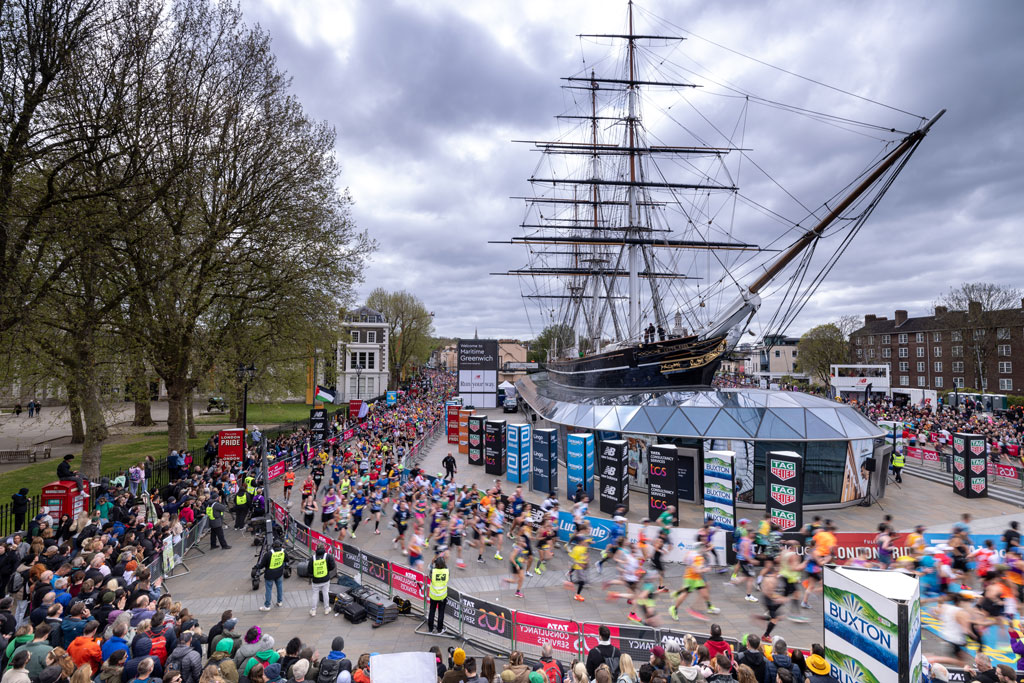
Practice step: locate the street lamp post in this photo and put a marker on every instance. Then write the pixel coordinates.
(245, 374)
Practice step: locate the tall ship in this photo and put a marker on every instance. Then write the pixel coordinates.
(647, 264)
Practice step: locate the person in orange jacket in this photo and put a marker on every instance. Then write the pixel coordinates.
(85, 649)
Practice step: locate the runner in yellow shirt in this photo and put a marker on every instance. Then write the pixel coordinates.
(579, 559)
(693, 580)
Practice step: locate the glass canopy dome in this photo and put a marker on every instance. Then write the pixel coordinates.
(748, 414)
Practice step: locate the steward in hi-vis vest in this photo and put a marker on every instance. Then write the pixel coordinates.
(437, 591)
(242, 500)
(215, 510)
(898, 461)
(320, 568)
(273, 574)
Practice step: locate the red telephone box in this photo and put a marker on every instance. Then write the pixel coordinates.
(63, 498)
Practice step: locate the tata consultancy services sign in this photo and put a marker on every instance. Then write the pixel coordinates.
(784, 489)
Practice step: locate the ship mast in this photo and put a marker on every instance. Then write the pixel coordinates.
(633, 330)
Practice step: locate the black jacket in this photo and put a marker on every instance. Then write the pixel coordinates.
(19, 506)
(756, 661)
(330, 566)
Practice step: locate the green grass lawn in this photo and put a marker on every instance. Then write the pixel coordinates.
(264, 414)
(115, 456)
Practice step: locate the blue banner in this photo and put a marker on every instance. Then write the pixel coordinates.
(391, 398)
(589, 451)
(520, 440)
(545, 460)
(601, 530)
(575, 453)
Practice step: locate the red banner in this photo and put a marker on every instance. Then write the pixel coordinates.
(231, 444)
(408, 581)
(348, 434)
(280, 514)
(333, 547)
(354, 406)
(536, 629)
(275, 470)
(1008, 471)
(924, 454)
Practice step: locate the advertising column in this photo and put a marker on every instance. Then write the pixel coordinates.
(464, 414)
(545, 460)
(518, 450)
(661, 480)
(589, 464)
(784, 497)
(613, 477)
(719, 489)
(495, 442)
(575, 463)
(872, 625)
(318, 423)
(970, 466)
(452, 421)
(476, 439)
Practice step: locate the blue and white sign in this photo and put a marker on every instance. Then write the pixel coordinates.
(545, 460)
(602, 531)
(391, 398)
(520, 442)
(719, 490)
(575, 463)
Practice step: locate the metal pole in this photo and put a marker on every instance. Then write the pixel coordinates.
(266, 495)
(245, 408)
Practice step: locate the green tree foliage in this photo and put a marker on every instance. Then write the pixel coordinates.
(552, 339)
(819, 348)
(410, 326)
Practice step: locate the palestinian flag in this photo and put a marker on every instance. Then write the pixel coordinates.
(324, 394)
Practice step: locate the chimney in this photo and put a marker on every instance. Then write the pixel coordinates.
(941, 310)
(901, 317)
(869, 319)
(974, 308)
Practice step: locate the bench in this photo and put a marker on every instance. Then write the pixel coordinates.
(24, 455)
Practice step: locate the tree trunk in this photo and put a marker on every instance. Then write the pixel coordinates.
(75, 415)
(191, 417)
(177, 391)
(139, 385)
(92, 410)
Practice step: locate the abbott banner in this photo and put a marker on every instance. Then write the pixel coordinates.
(872, 625)
(719, 491)
(520, 439)
(784, 496)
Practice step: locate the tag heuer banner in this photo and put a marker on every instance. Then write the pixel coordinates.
(612, 477)
(494, 447)
(545, 460)
(475, 427)
(970, 466)
(520, 439)
(661, 479)
(784, 497)
(719, 490)
(579, 464)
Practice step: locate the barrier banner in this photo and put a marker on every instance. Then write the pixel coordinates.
(612, 475)
(276, 469)
(681, 542)
(317, 539)
(537, 629)
(719, 490)
(661, 480)
(495, 443)
(484, 618)
(351, 558)
(281, 515)
(452, 422)
(520, 439)
(601, 530)
(923, 454)
(407, 581)
(1005, 471)
(476, 439)
(784, 494)
(635, 641)
(970, 465)
(545, 460)
(464, 414)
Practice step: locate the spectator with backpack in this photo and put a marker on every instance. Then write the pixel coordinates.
(603, 653)
(549, 666)
(330, 666)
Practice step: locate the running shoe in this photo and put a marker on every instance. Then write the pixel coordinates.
(799, 620)
(519, 594)
(537, 571)
(673, 612)
(498, 556)
(577, 597)
(480, 560)
(713, 610)
(695, 614)
(805, 605)
(264, 608)
(750, 598)
(460, 565)
(634, 618)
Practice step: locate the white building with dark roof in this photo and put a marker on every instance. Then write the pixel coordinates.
(363, 357)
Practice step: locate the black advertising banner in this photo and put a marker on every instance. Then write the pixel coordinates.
(970, 466)
(661, 479)
(476, 439)
(784, 493)
(685, 478)
(495, 445)
(483, 618)
(612, 475)
(544, 467)
(376, 567)
(318, 422)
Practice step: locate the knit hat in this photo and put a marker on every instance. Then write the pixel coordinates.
(818, 665)
(459, 656)
(230, 624)
(507, 676)
(272, 671)
(536, 677)
(224, 645)
(300, 668)
(658, 651)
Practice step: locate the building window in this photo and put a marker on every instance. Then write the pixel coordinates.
(871, 340)
(984, 382)
(1003, 349)
(871, 353)
(886, 353)
(904, 353)
(956, 335)
(1005, 367)
(1003, 333)
(937, 351)
(920, 352)
(371, 336)
(371, 358)
(920, 366)
(938, 382)
(936, 336)
(938, 366)
(919, 337)
(860, 353)
(777, 353)
(902, 338)
(904, 366)
(886, 339)
(958, 382)
(355, 336)
(1005, 384)
(904, 381)
(957, 352)
(921, 381)
(979, 333)
(362, 359)
(859, 341)
(958, 366)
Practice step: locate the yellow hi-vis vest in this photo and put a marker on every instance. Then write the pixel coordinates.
(438, 584)
(209, 511)
(319, 568)
(249, 485)
(241, 498)
(898, 460)
(277, 559)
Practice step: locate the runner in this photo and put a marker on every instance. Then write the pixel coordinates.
(790, 568)
(745, 562)
(328, 508)
(358, 506)
(342, 518)
(401, 519)
(773, 601)
(579, 559)
(821, 554)
(693, 581)
(289, 481)
(376, 507)
(545, 545)
(456, 528)
(955, 625)
(497, 529)
(516, 566)
(657, 551)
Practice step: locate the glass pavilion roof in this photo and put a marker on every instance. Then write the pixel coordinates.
(748, 414)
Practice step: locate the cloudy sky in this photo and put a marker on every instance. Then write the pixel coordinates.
(427, 95)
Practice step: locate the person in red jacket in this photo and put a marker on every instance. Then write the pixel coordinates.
(716, 645)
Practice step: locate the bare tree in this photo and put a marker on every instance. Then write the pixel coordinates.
(978, 315)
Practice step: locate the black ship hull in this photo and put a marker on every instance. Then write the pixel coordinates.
(682, 362)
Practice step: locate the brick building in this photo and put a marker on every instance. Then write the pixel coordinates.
(981, 350)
